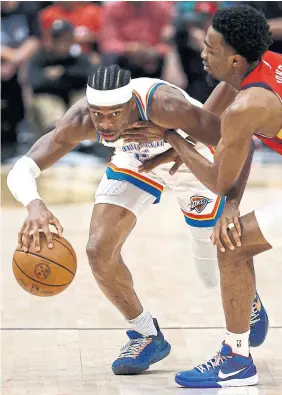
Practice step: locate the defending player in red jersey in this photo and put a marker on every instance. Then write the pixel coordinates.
(236, 51)
(267, 74)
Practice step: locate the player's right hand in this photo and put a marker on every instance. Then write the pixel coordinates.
(39, 218)
(223, 236)
(166, 157)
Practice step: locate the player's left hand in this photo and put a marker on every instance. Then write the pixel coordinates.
(143, 132)
(223, 235)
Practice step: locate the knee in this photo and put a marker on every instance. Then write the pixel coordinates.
(99, 254)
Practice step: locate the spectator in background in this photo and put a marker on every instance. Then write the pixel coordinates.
(273, 12)
(57, 75)
(85, 16)
(133, 36)
(190, 30)
(19, 41)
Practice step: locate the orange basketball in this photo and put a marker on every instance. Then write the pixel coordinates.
(46, 272)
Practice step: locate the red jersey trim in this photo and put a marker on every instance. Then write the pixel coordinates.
(257, 84)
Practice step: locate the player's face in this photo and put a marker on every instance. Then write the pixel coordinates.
(217, 56)
(111, 121)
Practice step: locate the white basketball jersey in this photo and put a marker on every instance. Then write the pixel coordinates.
(125, 163)
(143, 90)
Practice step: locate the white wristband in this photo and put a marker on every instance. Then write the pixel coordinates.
(21, 180)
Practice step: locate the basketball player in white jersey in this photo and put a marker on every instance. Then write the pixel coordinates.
(114, 102)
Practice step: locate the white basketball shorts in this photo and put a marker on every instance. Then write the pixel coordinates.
(124, 186)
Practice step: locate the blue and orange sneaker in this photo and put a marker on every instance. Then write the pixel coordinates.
(259, 323)
(224, 370)
(141, 352)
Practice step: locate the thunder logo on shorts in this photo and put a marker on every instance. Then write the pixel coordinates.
(199, 203)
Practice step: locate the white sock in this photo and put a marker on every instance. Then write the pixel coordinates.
(239, 342)
(144, 324)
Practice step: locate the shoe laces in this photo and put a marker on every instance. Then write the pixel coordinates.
(134, 347)
(212, 363)
(254, 315)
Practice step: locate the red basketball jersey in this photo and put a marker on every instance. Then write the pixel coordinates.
(267, 74)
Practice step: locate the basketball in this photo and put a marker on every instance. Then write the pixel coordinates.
(46, 272)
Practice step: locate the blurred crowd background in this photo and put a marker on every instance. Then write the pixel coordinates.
(49, 48)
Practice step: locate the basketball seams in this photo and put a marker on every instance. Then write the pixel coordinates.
(47, 259)
(67, 247)
(39, 282)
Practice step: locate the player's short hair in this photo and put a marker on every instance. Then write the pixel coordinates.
(245, 29)
(108, 78)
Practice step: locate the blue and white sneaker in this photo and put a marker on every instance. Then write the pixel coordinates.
(224, 370)
(259, 323)
(140, 352)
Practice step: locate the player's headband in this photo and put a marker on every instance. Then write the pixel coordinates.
(109, 98)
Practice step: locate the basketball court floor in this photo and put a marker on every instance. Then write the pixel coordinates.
(64, 345)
